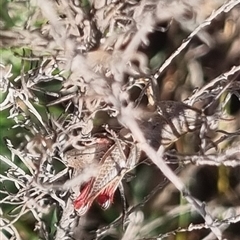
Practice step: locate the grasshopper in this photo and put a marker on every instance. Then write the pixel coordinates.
(172, 120)
(114, 164)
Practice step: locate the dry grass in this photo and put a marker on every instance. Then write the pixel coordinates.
(139, 96)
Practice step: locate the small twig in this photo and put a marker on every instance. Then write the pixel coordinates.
(157, 158)
(211, 86)
(229, 158)
(226, 7)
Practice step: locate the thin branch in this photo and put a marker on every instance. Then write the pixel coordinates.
(157, 158)
(226, 7)
(213, 87)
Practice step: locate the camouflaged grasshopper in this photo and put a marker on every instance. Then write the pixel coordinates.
(114, 164)
(172, 120)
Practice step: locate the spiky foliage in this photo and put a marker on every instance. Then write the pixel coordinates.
(140, 96)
